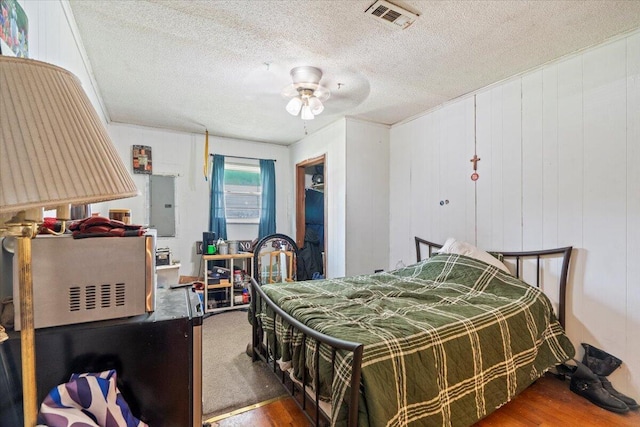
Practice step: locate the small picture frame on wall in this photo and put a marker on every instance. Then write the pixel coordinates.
(141, 156)
(14, 29)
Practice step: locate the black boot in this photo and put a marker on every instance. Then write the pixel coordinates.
(631, 403)
(603, 364)
(564, 372)
(599, 361)
(587, 384)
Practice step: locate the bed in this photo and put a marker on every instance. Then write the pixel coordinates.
(444, 341)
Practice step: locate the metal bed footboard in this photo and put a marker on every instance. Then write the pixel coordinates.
(260, 351)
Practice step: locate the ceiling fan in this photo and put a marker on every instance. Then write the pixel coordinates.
(306, 93)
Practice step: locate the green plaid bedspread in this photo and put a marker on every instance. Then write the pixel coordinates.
(446, 341)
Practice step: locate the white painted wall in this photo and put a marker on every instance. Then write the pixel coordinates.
(367, 197)
(559, 148)
(356, 191)
(331, 142)
(52, 39)
(632, 238)
(180, 155)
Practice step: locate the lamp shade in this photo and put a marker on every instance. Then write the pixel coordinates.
(54, 149)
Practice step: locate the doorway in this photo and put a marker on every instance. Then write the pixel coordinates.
(311, 196)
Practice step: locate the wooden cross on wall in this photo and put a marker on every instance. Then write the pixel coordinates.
(475, 160)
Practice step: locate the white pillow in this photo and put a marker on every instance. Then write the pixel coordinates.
(453, 246)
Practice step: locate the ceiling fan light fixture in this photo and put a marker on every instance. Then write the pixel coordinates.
(294, 105)
(306, 92)
(306, 113)
(306, 74)
(315, 105)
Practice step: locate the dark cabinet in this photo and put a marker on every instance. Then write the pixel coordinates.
(158, 358)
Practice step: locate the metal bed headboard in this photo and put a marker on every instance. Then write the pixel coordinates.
(519, 258)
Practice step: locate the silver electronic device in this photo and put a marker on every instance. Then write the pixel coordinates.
(84, 280)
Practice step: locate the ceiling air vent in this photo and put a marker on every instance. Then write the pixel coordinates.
(391, 14)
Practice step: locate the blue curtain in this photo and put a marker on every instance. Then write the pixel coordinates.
(268, 211)
(217, 220)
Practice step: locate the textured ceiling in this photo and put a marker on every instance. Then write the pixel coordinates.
(221, 65)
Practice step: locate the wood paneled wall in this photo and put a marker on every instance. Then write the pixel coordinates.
(560, 147)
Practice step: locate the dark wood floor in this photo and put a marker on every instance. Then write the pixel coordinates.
(548, 402)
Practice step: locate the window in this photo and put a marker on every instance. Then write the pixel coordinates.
(242, 193)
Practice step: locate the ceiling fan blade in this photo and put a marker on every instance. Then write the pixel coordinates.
(322, 93)
(265, 79)
(289, 91)
(315, 105)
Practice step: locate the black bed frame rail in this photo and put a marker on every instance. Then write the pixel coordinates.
(519, 257)
(261, 351)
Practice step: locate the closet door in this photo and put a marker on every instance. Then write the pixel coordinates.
(499, 188)
(454, 206)
(432, 194)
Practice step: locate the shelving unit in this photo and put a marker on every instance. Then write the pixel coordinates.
(222, 296)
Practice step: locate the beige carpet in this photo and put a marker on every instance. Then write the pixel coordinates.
(230, 380)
